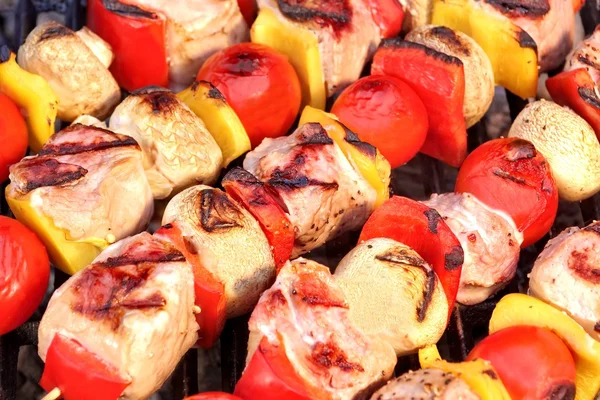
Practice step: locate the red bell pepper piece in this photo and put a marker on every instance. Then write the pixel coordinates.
(79, 373)
(423, 229)
(388, 16)
(213, 396)
(439, 80)
(261, 202)
(137, 38)
(209, 292)
(575, 89)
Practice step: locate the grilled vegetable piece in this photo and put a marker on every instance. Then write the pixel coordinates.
(259, 199)
(519, 309)
(567, 142)
(365, 158)
(213, 395)
(532, 362)
(209, 104)
(13, 135)
(80, 80)
(565, 275)
(25, 269)
(33, 94)
(393, 294)
(327, 43)
(130, 311)
(178, 149)
(479, 76)
(388, 15)
(229, 242)
(422, 229)
(385, 112)
(322, 191)
(259, 84)
(303, 343)
(511, 175)
(66, 194)
(512, 52)
(439, 80)
(490, 241)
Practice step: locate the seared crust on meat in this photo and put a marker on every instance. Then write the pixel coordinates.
(521, 8)
(334, 13)
(127, 10)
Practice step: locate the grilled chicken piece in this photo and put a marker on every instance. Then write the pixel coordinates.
(346, 35)
(587, 55)
(426, 384)
(324, 195)
(195, 30)
(230, 242)
(417, 13)
(490, 240)
(75, 66)
(89, 181)
(178, 150)
(133, 307)
(305, 312)
(394, 294)
(567, 275)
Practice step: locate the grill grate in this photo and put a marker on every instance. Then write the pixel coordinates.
(468, 323)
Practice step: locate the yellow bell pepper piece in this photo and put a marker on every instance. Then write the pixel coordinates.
(478, 374)
(222, 122)
(510, 49)
(32, 93)
(68, 255)
(301, 48)
(520, 309)
(375, 169)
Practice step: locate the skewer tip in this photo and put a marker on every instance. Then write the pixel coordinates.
(53, 394)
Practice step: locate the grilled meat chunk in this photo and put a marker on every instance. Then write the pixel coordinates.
(567, 275)
(229, 241)
(178, 150)
(324, 195)
(133, 307)
(305, 313)
(490, 240)
(587, 55)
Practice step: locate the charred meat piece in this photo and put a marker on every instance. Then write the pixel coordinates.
(567, 275)
(587, 55)
(178, 150)
(133, 307)
(324, 195)
(490, 240)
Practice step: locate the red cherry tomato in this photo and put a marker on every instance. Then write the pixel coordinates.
(260, 85)
(533, 363)
(510, 175)
(13, 135)
(388, 15)
(213, 396)
(24, 273)
(249, 8)
(387, 113)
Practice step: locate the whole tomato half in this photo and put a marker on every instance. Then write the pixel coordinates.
(387, 113)
(24, 273)
(13, 135)
(259, 84)
(533, 363)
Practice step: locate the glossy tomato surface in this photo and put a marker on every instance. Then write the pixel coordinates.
(533, 363)
(509, 174)
(213, 396)
(13, 135)
(249, 8)
(387, 113)
(388, 15)
(260, 85)
(24, 273)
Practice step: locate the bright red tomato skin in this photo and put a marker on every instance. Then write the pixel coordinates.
(388, 15)
(213, 396)
(387, 113)
(13, 135)
(510, 175)
(249, 8)
(24, 273)
(532, 362)
(260, 85)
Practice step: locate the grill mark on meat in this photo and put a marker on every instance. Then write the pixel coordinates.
(450, 37)
(336, 14)
(242, 176)
(77, 148)
(560, 391)
(313, 133)
(162, 101)
(521, 8)
(597, 326)
(397, 43)
(300, 182)
(54, 32)
(589, 96)
(4, 54)
(401, 257)
(127, 10)
(217, 212)
(499, 172)
(491, 374)
(580, 265)
(315, 292)
(433, 218)
(42, 172)
(276, 299)
(584, 59)
(428, 290)
(150, 257)
(595, 227)
(454, 259)
(520, 149)
(352, 138)
(526, 41)
(328, 355)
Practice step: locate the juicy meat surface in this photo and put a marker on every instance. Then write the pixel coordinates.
(324, 195)
(566, 274)
(587, 55)
(133, 306)
(306, 313)
(89, 181)
(490, 241)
